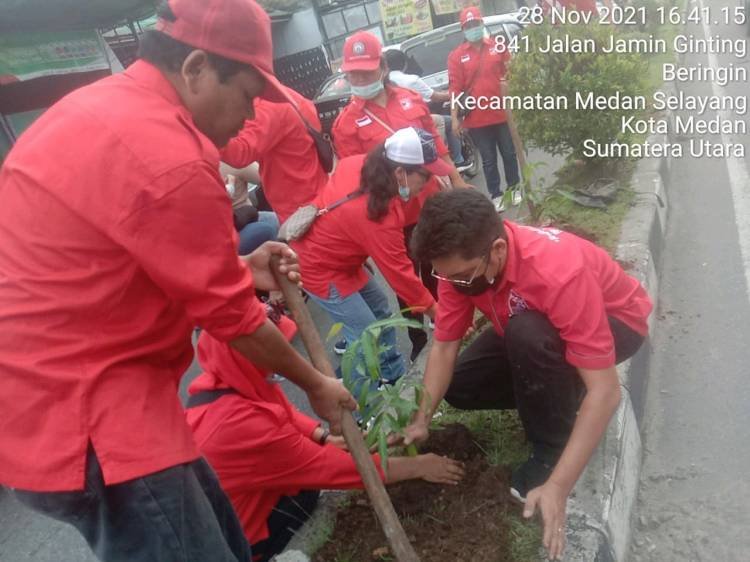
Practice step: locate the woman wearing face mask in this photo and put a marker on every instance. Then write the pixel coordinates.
(377, 109)
(375, 188)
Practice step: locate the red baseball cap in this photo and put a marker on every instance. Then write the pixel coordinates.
(470, 14)
(362, 51)
(238, 30)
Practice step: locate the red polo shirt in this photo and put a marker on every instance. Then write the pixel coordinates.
(335, 249)
(355, 132)
(257, 442)
(576, 284)
(278, 140)
(116, 239)
(486, 66)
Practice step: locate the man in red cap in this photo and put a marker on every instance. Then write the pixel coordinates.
(379, 108)
(475, 69)
(116, 239)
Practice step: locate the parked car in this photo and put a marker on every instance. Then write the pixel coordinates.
(427, 54)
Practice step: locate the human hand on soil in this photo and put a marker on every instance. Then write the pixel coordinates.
(440, 470)
(550, 499)
(259, 263)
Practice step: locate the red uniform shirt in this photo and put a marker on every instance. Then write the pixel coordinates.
(478, 72)
(335, 249)
(355, 132)
(116, 239)
(573, 282)
(257, 442)
(278, 140)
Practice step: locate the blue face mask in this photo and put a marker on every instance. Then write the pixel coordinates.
(474, 34)
(403, 192)
(368, 92)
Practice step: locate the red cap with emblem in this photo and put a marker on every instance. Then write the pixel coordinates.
(470, 14)
(238, 30)
(362, 51)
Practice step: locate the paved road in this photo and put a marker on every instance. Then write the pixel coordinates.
(694, 501)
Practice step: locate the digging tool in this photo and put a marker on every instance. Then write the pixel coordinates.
(381, 502)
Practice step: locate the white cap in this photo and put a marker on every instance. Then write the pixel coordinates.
(416, 147)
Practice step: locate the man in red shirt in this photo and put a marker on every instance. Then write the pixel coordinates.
(271, 459)
(563, 312)
(475, 69)
(277, 138)
(116, 239)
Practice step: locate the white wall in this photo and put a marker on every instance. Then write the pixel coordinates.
(299, 34)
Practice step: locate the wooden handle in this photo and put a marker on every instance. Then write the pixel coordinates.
(381, 502)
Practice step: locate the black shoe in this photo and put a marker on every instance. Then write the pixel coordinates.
(339, 348)
(531, 474)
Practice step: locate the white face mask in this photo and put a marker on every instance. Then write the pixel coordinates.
(369, 91)
(474, 34)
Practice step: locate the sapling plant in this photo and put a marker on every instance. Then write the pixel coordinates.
(385, 408)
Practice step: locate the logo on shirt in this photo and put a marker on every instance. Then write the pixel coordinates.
(406, 103)
(516, 304)
(552, 233)
(465, 58)
(362, 121)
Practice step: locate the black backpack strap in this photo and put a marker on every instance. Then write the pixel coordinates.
(207, 396)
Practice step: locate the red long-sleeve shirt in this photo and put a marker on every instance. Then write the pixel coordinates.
(257, 442)
(116, 239)
(278, 140)
(338, 244)
(478, 72)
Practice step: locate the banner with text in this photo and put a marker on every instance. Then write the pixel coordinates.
(443, 7)
(404, 18)
(24, 56)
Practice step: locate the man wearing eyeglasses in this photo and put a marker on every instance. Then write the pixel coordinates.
(564, 314)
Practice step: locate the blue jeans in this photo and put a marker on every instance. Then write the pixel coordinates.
(356, 312)
(488, 139)
(179, 514)
(454, 142)
(256, 233)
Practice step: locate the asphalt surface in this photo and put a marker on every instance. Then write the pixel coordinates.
(694, 502)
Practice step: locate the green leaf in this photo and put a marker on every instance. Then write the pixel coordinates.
(383, 451)
(334, 331)
(371, 356)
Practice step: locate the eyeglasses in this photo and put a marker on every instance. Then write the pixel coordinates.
(464, 282)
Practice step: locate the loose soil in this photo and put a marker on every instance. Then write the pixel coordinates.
(463, 523)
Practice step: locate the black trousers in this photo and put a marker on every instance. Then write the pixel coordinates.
(526, 370)
(417, 336)
(288, 516)
(180, 514)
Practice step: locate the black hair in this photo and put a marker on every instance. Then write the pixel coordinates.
(378, 181)
(396, 59)
(462, 222)
(168, 54)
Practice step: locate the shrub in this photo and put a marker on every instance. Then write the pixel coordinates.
(562, 131)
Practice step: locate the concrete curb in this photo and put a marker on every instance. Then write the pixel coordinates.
(601, 508)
